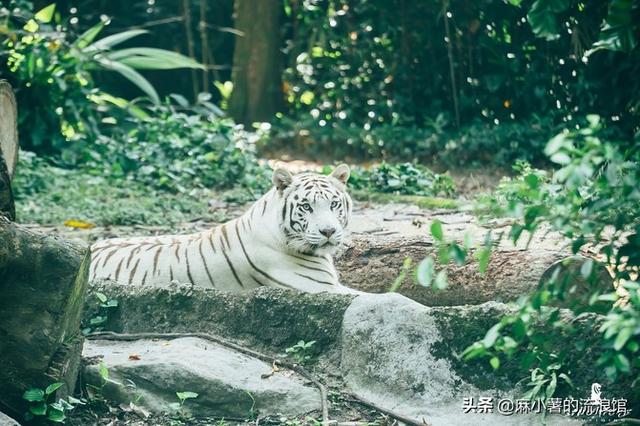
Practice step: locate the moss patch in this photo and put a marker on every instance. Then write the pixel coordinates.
(418, 200)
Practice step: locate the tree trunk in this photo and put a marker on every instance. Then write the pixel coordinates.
(7, 207)
(257, 62)
(8, 148)
(372, 264)
(8, 127)
(43, 281)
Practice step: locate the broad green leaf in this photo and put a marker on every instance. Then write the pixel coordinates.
(495, 362)
(436, 230)
(152, 58)
(474, 351)
(101, 297)
(38, 408)
(425, 272)
(45, 14)
(108, 42)
(543, 17)
(34, 394)
(622, 337)
(103, 371)
(88, 36)
(53, 387)
(186, 395)
(132, 75)
(551, 387)
(619, 30)
(31, 26)
(484, 254)
(532, 181)
(586, 268)
(561, 158)
(492, 335)
(622, 363)
(55, 415)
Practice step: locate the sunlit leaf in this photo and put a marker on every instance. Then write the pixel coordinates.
(45, 14)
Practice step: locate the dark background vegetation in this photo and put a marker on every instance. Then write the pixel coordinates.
(465, 82)
(550, 88)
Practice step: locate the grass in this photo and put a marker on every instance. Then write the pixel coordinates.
(418, 200)
(50, 195)
(76, 195)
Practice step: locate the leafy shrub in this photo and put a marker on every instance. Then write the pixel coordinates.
(42, 406)
(51, 195)
(406, 178)
(52, 69)
(178, 149)
(436, 142)
(592, 200)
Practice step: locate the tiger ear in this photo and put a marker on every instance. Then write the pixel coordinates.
(281, 178)
(342, 173)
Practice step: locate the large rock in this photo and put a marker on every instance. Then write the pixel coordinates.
(267, 317)
(392, 355)
(43, 282)
(391, 350)
(7, 421)
(228, 383)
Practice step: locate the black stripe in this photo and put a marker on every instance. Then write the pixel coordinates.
(223, 228)
(233, 271)
(313, 279)
(255, 267)
(155, 259)
(118, 268)
(133, 271)
(306, 260)
(213, 247)
(256, 280)
(109, 256)
(133, 251)
(204, 262)
(186, 256)
(315, 269)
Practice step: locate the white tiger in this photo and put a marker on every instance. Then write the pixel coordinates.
(286, 239)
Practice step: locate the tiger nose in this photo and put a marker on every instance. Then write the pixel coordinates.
(328, 232)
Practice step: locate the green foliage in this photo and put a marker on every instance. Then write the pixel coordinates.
(50, 195)
(476, 144)
(104, 308)
(43, 406)
(406, 268)
(301, 352)
(47, 61)
(370, 78)
(405, 178)
(592, 200)
(179, 147)
(182, 397)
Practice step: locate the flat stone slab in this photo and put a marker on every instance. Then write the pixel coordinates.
(228, 383)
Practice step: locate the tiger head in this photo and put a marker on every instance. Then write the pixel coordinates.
(316, 209)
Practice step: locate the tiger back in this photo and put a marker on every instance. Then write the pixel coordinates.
(286, 239)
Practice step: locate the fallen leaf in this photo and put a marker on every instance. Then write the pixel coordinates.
(78, 224)
(134, 357)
